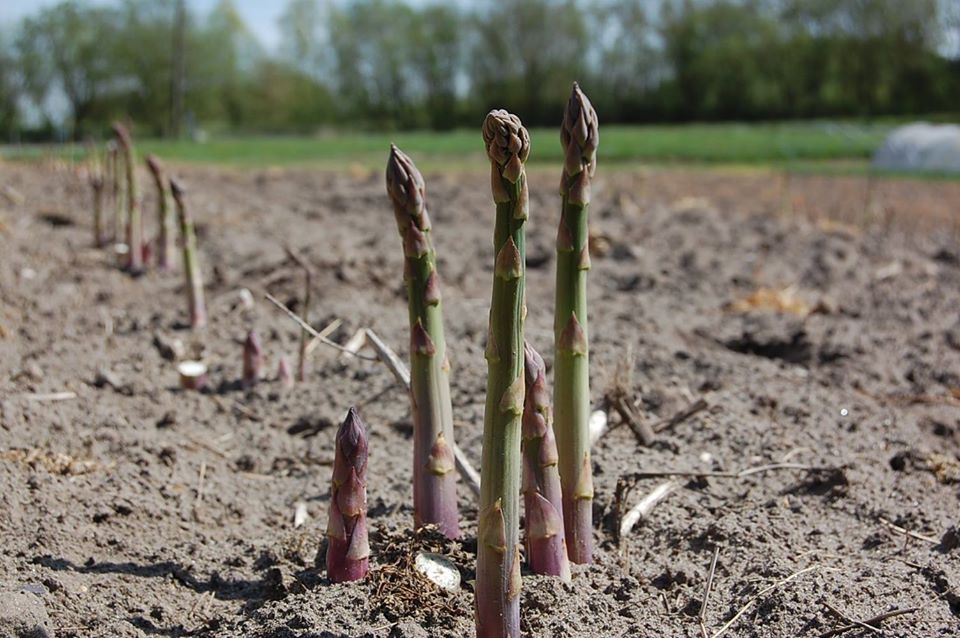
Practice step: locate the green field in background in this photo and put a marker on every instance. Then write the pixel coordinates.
(696, 143)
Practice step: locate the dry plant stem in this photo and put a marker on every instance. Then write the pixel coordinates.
(304, 336)
(542, 498)
(760, 594)
(188, 239)
(434, 476)
(348, 550)
(134, 222)
(252, 360)
(571, 393)
(305, 315)
(873, 623)
(97, 185)
(165, 230)
(498, 547)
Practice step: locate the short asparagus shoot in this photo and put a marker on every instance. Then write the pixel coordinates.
(252, 360)
(284, 374)
(348, 549)
(165, 226)
(134, 222)
(579, 136)
(498, 547)
(434, 476)
(542, 499)
(191, 268)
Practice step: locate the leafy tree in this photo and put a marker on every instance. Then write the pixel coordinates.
(67, 46)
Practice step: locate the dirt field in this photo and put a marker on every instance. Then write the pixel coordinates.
(819, 318)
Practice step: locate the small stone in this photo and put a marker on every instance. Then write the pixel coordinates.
(438, 570)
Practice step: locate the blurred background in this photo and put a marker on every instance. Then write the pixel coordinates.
(210, 69)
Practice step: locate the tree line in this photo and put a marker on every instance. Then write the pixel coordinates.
(73, 67)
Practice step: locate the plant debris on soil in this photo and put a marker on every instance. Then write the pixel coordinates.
(814, 320)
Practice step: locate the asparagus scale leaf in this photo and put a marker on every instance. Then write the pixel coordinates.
(498, 548)
(434, 478)
(579, 136)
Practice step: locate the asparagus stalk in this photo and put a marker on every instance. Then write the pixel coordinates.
(434, 478)
(579, 136)
(134, 222)
(117, 191)
(97, 185)
(498, 547)
(546, 547)
(348, 551)
(252, 360)
(165, 230)
(188, 239)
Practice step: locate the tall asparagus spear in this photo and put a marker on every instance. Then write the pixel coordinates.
(579, 136)
(348, 550)
(96, 185)
(546, 547)
(117, 191)
(434, 479)
(498, 547)
(188, 239)
(134, 222)
(165, 230)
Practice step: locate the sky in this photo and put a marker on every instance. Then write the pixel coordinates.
(260, 15)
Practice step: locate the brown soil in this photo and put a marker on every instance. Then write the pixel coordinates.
(137, 509)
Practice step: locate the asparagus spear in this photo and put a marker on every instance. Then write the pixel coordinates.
(252, 360)
(188, 239)
(348, 551)
(434, 478)
(97, 184)
(134, 222)
(546, 547)
(117, 190)
(165, 231)
(579, 136)
(498, 548)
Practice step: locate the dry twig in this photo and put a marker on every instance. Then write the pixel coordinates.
(871, 623)
(706, 593)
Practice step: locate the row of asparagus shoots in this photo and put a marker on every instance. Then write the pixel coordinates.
(518, 420)
(118, 172)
